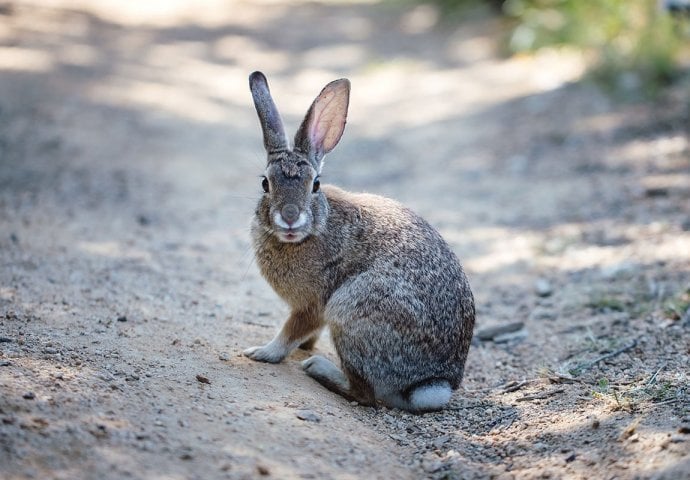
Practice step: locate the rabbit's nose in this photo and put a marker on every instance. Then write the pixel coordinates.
(290, 213)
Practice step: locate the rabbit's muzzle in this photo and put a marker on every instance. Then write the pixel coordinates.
(290, 213)
(291, 223)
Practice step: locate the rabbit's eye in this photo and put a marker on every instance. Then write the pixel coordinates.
(317, 185)
(264, 185)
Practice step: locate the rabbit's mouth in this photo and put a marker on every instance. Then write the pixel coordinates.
(293, 231)
(291, 236)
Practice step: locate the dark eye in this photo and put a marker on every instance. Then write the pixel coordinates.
(264, 185)
(317, 185)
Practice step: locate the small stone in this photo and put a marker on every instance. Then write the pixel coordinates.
(203, 379)
(489, 333)
(432, 466)
(542, 314)
(5, 340)
(29, 396)
(441, 441)
(685, 225)
(308, 416)
(653, 192)
(543, 288)
(5, 363)
(595, 424)
(223, 357)
(122, 318)
(610, 272)
(510, 337)
(50, 351)
(684, 429)
(263, 470)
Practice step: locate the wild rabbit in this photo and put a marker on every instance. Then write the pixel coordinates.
(396, 299)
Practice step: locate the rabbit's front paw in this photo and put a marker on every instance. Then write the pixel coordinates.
(271, 352)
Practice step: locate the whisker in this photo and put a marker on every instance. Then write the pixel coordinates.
(265, 237)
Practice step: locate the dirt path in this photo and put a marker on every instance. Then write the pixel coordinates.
(129, 157)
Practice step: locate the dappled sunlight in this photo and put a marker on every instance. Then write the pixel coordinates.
(114, 250)
(148, 95)
(569, 253)
(25, 60)
(499, 247)
(131, 162)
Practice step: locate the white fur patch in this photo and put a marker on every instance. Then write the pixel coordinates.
(300, 222)
(272, 352)
(430, 397)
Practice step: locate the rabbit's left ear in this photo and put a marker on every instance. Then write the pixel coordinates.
(324, 123)
(271, 124)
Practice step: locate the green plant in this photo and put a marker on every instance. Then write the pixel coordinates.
(675, 308)
(632, 45)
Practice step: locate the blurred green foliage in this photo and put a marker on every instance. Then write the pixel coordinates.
(632, 44)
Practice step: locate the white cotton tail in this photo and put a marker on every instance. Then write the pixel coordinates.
(432, 396)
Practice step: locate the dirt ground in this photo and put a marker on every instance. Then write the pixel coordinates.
(130, 157)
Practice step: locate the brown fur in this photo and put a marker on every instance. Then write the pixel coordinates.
(398, 304)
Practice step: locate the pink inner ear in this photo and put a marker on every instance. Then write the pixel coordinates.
(328, 120)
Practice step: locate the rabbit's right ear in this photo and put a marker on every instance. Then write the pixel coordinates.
(271, 124)
(325, 122)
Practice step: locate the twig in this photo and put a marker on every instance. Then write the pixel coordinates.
(653, 379)
(586, 366)
(257, 324)
(539, 396)
(512, 416)
(514, 386)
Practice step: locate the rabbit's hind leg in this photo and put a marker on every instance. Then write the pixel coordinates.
(350, 386)
(311, 341)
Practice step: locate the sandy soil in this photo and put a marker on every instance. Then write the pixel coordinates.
(129, 164)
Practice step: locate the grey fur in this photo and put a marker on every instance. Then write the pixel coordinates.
(396, 299)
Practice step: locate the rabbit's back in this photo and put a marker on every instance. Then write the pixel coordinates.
(410, 308)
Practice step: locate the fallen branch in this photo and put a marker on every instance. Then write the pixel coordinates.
(539, 396)
(586, 366)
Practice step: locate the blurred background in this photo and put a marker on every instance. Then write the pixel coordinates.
(547, 140)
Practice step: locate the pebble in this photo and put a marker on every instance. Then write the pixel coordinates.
(441, 441)
(542, 314)
(223, 357)
(308, 416)
(543, 288)
(122, 318)
(490, 333)
(29, 396)
(203, 379)
(432, 466)
(263, 470)
(5, 340)
(510, 337)
(610, 272)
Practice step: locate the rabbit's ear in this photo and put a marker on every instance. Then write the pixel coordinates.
(271, 124)
(325, 121)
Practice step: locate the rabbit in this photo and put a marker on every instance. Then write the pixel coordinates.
(394, 295)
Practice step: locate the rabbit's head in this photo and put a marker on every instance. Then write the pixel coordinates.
(293, 206)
